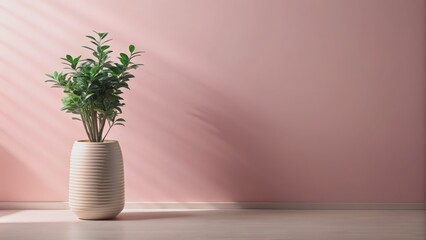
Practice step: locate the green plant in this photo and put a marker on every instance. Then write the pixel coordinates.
(93, 87)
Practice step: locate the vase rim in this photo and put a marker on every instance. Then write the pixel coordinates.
(89, 142)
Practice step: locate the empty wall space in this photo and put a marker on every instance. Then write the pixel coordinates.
(242, 100)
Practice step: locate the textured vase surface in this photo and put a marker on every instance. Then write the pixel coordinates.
(96, 183)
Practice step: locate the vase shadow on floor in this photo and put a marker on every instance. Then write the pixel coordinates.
(134, 216)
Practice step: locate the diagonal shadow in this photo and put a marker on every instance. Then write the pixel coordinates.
(6, 212)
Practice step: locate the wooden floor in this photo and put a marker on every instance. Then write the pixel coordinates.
(218, 224)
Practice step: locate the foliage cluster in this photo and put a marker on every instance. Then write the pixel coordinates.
(93, 86)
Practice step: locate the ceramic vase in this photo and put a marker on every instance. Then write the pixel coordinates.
(96, 181)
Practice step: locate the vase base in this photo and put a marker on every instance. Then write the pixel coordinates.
(91, 215)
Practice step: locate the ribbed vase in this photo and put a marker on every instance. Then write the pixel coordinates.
(96, 183)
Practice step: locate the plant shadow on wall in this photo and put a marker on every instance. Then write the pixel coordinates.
(202, 146)
(245, 156)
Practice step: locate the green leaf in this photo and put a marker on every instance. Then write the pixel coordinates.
(89, 48)
(105, 47)
(129, 76)
(124, 59)
(131, 48)
(124, 56)
(106, 41)
(115, 70)
(75, 62)
(88, 96)
(89, 60)
(94, 70)
(69, 58)
(102, 35)
(91, 37)
(75, 118)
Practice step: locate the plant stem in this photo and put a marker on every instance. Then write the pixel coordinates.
(106, 134)
(102, 118)
(95, 125)
(90, 127)
(84, 124)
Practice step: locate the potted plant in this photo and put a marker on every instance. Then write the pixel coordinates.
(93, 88)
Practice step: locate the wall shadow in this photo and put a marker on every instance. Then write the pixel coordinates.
(19, 180)
(210, 139)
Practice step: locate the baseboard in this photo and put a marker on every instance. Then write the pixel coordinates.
(226, 205)
(273, 205)
(29, 205)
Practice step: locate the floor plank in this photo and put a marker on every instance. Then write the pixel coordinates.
(218, 224)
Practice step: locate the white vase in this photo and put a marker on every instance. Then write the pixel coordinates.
(96, 182)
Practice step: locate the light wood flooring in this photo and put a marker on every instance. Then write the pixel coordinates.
(218, 224)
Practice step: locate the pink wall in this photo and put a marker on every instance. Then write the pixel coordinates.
(238, 101)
